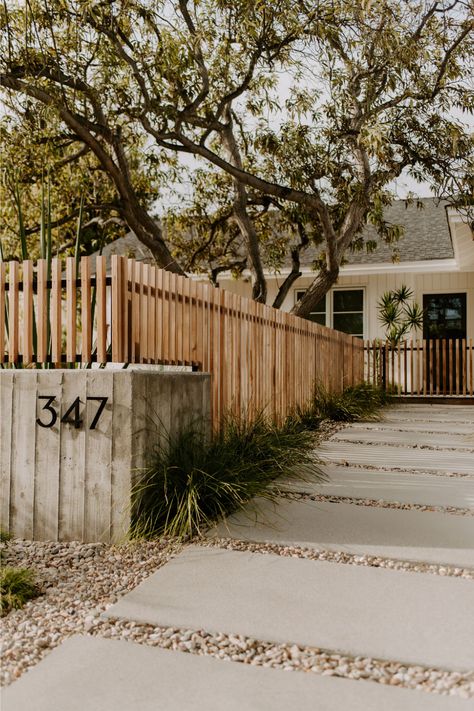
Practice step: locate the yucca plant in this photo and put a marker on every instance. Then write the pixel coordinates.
(193, 481)
(398, 314)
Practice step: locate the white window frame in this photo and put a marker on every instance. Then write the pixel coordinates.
(330, 305)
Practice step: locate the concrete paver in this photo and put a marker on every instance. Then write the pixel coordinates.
(408, 439)
(93, 674)
(420, 426)
(427, 409)
(420, 416)
(459, 462)
(421, 536)
(352, 609)
(406, 488)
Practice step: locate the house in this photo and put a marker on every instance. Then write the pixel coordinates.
(434, 258)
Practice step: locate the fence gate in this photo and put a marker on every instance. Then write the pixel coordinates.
(437, 366)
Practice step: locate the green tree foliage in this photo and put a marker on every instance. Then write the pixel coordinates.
(372, 91)
(42, 163)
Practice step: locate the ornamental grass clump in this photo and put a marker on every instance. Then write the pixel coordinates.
(354, 403)
(194, 481)
(17, 586)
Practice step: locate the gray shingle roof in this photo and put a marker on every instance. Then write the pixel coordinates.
(426, 237)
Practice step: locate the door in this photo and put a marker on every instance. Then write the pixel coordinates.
(444, 327)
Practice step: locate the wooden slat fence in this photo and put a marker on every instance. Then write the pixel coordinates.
(422, 367)
(260, 358)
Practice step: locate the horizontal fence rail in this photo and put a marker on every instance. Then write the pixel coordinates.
(260, 358)
(440, 366)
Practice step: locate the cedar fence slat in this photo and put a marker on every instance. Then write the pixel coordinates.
(260, 358)
(437, 367)
(27, 345)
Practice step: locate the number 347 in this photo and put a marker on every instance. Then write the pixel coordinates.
(72, 415)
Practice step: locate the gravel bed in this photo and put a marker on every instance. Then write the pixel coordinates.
(338, 557)
(290, 657)
(431, 447)
(326, 429)
(378, 503)
(77, 582)
(379, 467)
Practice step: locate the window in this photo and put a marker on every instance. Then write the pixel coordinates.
(342, 309)
(445, 316)
(319, 314)
(348, 311)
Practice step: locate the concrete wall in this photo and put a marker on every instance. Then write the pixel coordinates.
(67, 483)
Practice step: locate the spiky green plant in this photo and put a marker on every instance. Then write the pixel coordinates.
(354, 403)
(45, 248)
(398, 314)
(193, 481)
(17, 586)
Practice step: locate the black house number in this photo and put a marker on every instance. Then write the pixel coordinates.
(72, 415)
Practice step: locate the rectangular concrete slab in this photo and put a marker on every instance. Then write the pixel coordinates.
(409, 439)
(401, 457)
(406, 488)
(93, 674)
(347, 608)
(410, 426)
(419, 416)
(434, 407)
(422, 536)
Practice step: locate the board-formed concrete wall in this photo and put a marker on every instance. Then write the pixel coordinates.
(71, 480)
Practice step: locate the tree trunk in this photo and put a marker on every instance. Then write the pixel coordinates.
(244, 222)
(313, 295)
(285, 288)
(149, 233)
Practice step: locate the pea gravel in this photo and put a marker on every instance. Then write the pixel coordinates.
(80, 581)
(77, 581)
(378, 503)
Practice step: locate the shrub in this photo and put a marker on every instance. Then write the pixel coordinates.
(354, 403)
(192, 482)
(17, 586)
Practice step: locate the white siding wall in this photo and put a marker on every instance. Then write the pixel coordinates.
(375, 285)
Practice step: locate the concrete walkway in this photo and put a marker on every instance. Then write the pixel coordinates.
(421, 616)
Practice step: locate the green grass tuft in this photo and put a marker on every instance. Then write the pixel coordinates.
(17, 586)
(354, 403)
(4, 536)
(191, 483)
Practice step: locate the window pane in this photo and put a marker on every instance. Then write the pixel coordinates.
(445, 316)
(318, 318)
(349, 323)
(320, 307)
(352, 300)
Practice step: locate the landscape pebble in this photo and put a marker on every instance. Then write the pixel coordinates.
(379, 503)
(403, 445)
(290, 657)
(338, 557)
(381, 468)
(77, 582)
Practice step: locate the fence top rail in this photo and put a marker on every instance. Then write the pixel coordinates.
(135, 281)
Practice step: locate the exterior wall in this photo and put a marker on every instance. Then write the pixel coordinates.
(65, 482)
(374, 286)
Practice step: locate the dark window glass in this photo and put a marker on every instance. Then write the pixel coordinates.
(445, 316)
(349, 323)
(319, 313)
(351, 300)
(318, 318)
